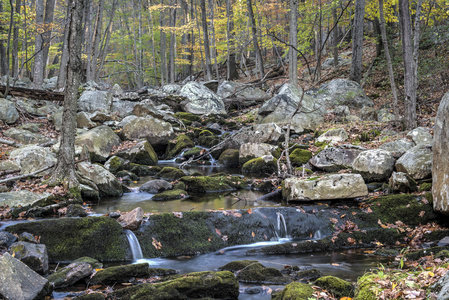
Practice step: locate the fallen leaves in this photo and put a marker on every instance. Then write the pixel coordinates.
(156, 244)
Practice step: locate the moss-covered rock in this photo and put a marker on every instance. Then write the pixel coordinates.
(170, 173)
(426, 186)
(195, 151)
(366, 288)
(115, 164)
(181, 142)
(208, 139)
(260, 165)
(180, 186)
(170, 195)
(120, 273)
(187, 116)
(336, 286)
(308, 275)
(300, 157)
(67, 239)
(141, 170)
(74, 272)
(229, 158)
(206, 184)
(130, 175)
(250, 271)
(237, 265)
(294, 291)
(142, 154)
(204, 285)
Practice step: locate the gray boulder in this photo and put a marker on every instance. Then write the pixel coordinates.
(99, 142)
(92, 101)
(249, 151)
(155, 186)
(398, 147)
(40, 108)
(33, 255)
(33, 158)
(8, 111)
(334, 159)
(374, 165)
(333, 136)
(8, 165)
(50, 83)
(262, 133)
(107, 183)
(328, 187)
(246, 93)
(24, 198)
(7, 239)
(25, 137)
(440, 167)
(200, 100)
(83, 120)
(384, 115)
(126, 120)
(280, 108)
(70, 274)
(123, 108)
(142, 154)
(171, 89)
(420, 135)
(342, 92)
(156, 131)
(416, 162)
(402, 183)
(117, 90)
(19, 282)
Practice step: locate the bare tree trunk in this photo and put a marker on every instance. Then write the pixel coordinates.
(206, 39)
(172, 41)
(8, 47)
(106, 38)
(64, 171)
(231, 64)
(38, 74)
(383, 32)
(153, 46)
(3, 60)
(185, 39)
(163, 49)
(92, 64)
(214, 44)
(65, 53)
(15, 45)
(357, 41)
(378, 35)
(48, 21)
(335, 36)
(293, 40)
(255, 42)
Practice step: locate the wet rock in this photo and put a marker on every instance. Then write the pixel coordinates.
(27, 237)
(206, 184)
(334, 159)
(416, 162)
(181, 143)
(74, 272)
(294, 290)
(229, 158)
(75, 211)
(328, 187)
(420, 135)
(398, 147)
(92, 101)
(253, 290)
(140, 170)
(207, 139)
(280, 108)
(170, 173)
(8, 111)
(67, 239)
(25, 137)
(249, 151)
(33, 158)
(200, 100)
(402, 183)
(333, 136)
(155, 186)
(142, 154)
(107, 183)
(7, 239)
(120, 273)
(19, 282)
(156, 131)
(33, 255)
(266, 164)
(374, 165)
(115, 164)
(99, 142)
(24, 199)
(170, 195)
(83, 120)
(308, 275)
(336, 286)
(210, 285)
(250, 271)
(132, 219)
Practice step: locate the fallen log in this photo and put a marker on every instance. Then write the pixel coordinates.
(33, 93)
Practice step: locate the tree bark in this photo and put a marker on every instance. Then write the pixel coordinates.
(214, 44)
(172, 41)
(3, 60)
(231, 64)
(92, 64)
(335, 36)
(15, 45)
(164, 76)
(206, 40)
(38, 74)
(48, 23)
(65, 167)
(357, 41)
(65, 53)
(293, 40)
(255, 42)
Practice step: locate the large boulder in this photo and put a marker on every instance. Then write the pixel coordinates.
(25, 137)
(416, 162)
(420, 135)
(107, 183)
(83, 120)
(328, 187)
(342, 92)
(374, 165)
(440, 167)
(155, 186)
(124, 273)
(33, 158)
(156, 131)
(398, 147)
(67, 239)
(262, 133)
(249, 151)
(245, 93)
(8, 111)
(266, 164)
(92, 101)
(200, 100)
(40, 108)
(123, 108)
(19, 282)
(281, 107)
(295, 290)
(402, 183)
(142, 154)
(132, 219)
(334, 159)
(24, 199)
(33, 255)
(333, 136)
(74, 272)
(6, 239)
(99, 142)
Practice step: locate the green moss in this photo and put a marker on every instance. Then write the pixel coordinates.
(336, 286)
(307, 171)
(208, 139)
(300, 157)
(67, 239)
(366, 288)
(180, 186)
(182, 142)
(149, 158)
(238, 265)
(229, 158)
(307, 275)
(206, 184)
(295, 291)
(141, 170)
(170, 173)
(170, 195)
(120, 273)
(258, 273)
(322, 145)
(426, 186)
(116, 164)
(187, 116)
(259, 166)
(442, 254)
(195, 151)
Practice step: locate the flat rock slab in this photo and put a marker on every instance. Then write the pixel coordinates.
(24, 199)
(329, 187)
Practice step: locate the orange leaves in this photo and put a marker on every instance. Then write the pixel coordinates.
(381, 225)
(156, 244)
(218, 231)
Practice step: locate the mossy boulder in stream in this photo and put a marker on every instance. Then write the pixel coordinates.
(250, 271)
(294, 291)
(300, 157)
(199, 285)
(206, 184)
(366, 288)
(69, 238)
(261, 165)
(181, 142)
(229, 158)
(170, 173)
(120, 273)
(336, 286)
(142, 153)
(208, 139)
(170, 195)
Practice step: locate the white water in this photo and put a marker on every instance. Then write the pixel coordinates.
(134, 245)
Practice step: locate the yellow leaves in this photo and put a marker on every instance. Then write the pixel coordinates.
(345, 298)
(156, 244)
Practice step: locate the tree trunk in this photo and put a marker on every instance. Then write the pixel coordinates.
(15, 45)
(293, 40)
(231, 64)
(163, 48)
(48, 23)
(106, 38)
(3, 60)
(92, 64)
(38, 74)
(214, 44)
(255, 42)
(335, 36)
(378, 35)
(153, 45)
(206, 40)
(65, 53)
(65, 167)
(357, 41)
(172, 41)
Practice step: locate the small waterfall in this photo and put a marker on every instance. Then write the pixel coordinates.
(282, 230)
(134, 245)
(317, 235)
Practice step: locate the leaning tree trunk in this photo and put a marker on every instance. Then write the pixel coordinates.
(293, 39)
(335, 36)
(64, 171)
(357, 41)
